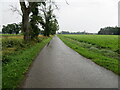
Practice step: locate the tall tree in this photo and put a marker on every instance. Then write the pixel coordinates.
(54, 26)
(34, 22)
(48, 16)
(26, 10)
(30, 27)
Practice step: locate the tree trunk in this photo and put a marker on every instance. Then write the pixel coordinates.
(25, 20)
(25, 26)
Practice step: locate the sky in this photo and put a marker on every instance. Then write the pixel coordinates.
(79, 15)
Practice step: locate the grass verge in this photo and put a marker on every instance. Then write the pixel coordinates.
(13, 71)
(96, 56)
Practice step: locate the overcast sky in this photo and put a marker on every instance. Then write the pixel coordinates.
(79, 15)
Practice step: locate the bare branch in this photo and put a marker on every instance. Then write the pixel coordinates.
(15, 9)
(67, 2)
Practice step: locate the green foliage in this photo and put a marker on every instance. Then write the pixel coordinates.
(49, 22)
(34, 32)
(90, 47)
(18, 60)
(54, 26)
(109, 31)
(11, 28)
(36, 14)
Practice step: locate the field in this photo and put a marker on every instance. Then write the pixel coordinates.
(17, 57)
(101, 49)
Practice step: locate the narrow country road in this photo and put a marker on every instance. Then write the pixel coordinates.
(58, 66)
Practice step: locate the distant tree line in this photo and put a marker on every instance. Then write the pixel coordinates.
(11, 28)
(67, 32)
(109, 31)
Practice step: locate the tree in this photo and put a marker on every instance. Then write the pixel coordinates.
(4, 29)
(26, 10)
(54, 26)
(110, 31)
(49, 18)
(31, 18)
(30, 27)
(17, 28)
(34, 22)
(11, 28)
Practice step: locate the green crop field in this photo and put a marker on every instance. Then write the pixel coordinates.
(17, 57)
(101, 49)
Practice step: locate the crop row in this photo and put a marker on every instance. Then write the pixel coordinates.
(102, 41)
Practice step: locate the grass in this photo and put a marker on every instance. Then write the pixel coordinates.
(17, 57)
(100, 53)
(101, 41)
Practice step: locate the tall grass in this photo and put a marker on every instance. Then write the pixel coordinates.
(17, 57)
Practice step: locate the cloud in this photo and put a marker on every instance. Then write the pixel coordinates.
(80, 15)
(89, 15)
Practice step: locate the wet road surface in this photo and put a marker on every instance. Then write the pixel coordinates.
(58, 66)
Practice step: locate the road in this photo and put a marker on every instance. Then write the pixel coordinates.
(58, 66)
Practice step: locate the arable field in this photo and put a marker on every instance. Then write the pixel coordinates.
(101, 49)
(17, 57)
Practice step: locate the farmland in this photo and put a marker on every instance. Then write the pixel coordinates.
(17, 56)
(101, 49)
